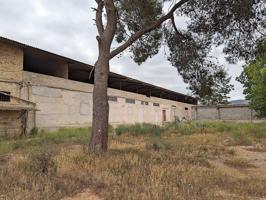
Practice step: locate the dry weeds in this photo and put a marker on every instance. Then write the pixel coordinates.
(172, 166)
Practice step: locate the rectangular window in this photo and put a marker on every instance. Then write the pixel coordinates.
(112, 98)
(4, 96)
(186, 108)
(144, 103)
(132, 101)
(156, 104)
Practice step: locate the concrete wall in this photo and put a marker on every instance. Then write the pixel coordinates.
(66, 103)
(224, 113)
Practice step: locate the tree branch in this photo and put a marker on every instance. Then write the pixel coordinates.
(140, 33)
(175, 28)
(111, 21)
(99, 20)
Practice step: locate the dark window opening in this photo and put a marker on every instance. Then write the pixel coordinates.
(144, 103)
(45, 64)
(132, 101)
(112, 98)
(186, 108)
(5, 96)
(156, 104)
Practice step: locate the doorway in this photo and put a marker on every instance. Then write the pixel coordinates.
(164, 115)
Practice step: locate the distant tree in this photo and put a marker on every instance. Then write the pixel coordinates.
(254, 80)
(142, 27)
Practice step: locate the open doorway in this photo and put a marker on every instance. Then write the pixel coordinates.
(164, 115)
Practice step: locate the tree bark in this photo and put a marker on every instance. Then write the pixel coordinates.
(99, 136)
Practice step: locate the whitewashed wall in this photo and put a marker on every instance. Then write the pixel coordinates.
(66, 103)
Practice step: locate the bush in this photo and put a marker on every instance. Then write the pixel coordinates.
(34, 131)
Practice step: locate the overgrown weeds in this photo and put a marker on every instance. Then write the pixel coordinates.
(139, 129)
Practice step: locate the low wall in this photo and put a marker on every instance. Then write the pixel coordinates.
(224, 113)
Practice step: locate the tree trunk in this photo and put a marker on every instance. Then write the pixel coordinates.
(99, 136)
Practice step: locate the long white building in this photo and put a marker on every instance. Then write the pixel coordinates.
(49, 91)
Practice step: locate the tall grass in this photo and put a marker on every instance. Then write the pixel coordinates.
(139, 129)
(239, 133)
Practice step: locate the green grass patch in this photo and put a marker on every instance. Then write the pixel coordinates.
(239, 133)
(69, 135)
(139, 129)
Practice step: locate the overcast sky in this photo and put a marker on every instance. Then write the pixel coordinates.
(66, 27)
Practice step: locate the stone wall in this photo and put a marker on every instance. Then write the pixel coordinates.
(224, 113)
(11, 66)
(10, 123)
(11, 62)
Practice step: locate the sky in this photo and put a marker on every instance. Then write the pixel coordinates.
(67, 27)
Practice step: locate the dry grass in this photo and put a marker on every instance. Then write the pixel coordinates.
(156, 166)
(239, 163)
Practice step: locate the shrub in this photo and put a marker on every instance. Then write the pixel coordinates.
(34, 131)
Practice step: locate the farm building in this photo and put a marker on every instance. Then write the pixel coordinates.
(49, 91)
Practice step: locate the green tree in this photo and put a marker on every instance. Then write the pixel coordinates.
(254, 80)
(210, 86)
(142, 27)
